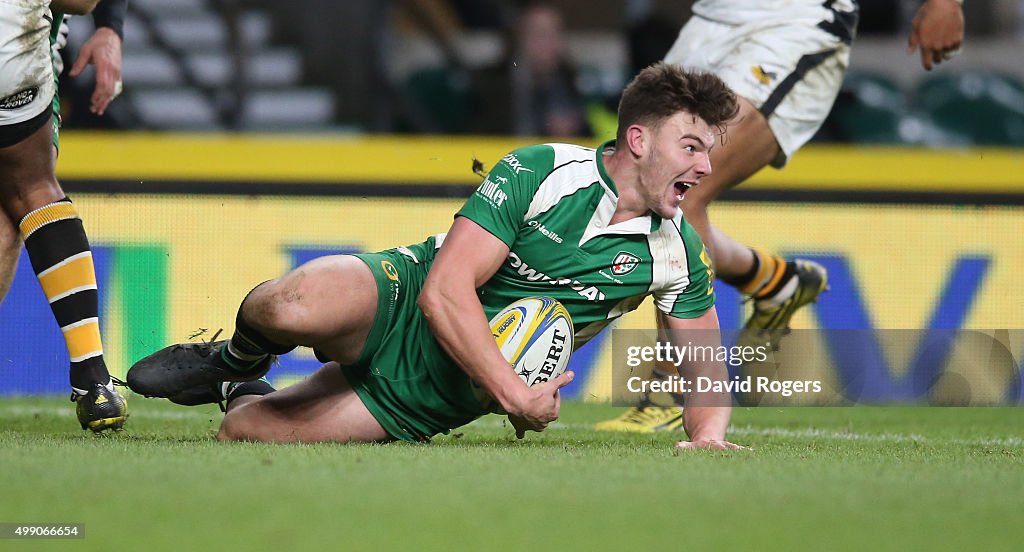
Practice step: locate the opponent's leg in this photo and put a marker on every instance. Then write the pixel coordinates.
(321, 408)
(747, 147)
(777, 287)
(329, 303)
(59, 251)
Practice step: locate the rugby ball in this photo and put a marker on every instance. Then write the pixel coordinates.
(535, 335)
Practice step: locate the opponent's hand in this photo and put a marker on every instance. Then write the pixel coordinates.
(938, 29)
(102, 50)
(538, 406)
(711, 444)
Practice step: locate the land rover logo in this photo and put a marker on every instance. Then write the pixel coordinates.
(19, 99)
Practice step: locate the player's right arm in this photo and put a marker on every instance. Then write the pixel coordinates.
(469, 257)
(74, 7)
(485, 230)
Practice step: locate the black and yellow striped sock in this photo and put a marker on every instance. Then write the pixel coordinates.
(62, 260)
(764, 276)
(784, 272)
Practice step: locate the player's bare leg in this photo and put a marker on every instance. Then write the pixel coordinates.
(328, 304)
(321, 408)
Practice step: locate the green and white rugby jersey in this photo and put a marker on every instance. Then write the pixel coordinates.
(551, 204)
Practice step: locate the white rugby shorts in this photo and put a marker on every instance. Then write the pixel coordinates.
(26, 69)
(791, 70)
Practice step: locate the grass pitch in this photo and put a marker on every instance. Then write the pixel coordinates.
(816, 479)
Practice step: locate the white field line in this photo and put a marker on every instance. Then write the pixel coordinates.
(812, 433)
(495, 421)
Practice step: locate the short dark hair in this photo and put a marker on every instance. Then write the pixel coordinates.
(662, 90)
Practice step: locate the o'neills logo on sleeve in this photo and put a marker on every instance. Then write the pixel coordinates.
(553, 236)
(19, 99)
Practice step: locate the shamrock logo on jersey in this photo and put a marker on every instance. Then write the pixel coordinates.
(624, 263)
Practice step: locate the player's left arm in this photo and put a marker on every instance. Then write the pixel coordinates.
(938, 30)
(706, 414)
(103, 51)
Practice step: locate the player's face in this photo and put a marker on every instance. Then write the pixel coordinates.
(677, 159)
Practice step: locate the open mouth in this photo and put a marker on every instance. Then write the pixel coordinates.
(680, 188)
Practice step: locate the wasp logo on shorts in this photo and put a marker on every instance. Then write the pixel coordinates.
(762, 76)
(390, 270)
(19, 99)
(624, 263)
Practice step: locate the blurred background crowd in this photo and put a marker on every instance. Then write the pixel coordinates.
(509, 67)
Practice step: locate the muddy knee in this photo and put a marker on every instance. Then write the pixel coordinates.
(277, 308)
